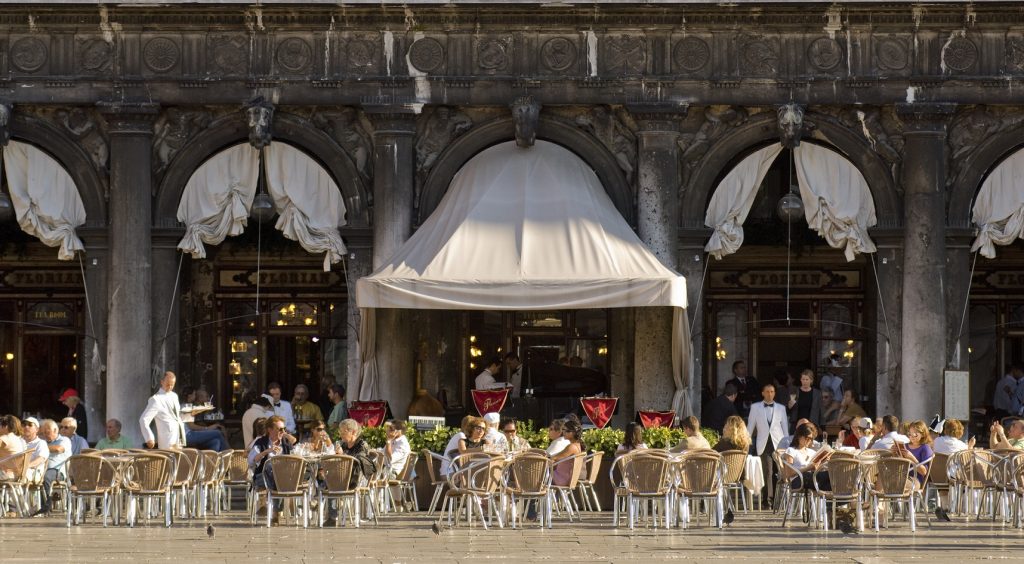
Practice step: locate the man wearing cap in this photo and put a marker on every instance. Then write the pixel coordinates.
(75, 409)
(493, 435)
(861, 428)
(40, 454)
(67, 428)
(888, 436)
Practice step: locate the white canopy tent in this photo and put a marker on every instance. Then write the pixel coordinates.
(999, 208)
(525, 229)
(837, 201)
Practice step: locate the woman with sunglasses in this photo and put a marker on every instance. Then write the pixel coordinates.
(513, 442)
(319, 442)
(474, 441)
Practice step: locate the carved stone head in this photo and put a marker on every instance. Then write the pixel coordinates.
(525, 116)
(5, 120)
(791, 125)
(261, 118)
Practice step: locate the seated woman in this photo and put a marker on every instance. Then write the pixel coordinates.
(397, 448)
(633, 440)
(734, 435)
(353, 445)
(918, 449)
(572, 431)
(801, 455)
(453, 446)
(949, 441)
(319, 442)
(473, 429)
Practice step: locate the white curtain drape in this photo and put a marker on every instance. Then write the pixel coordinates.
(732, 200)
(682, 363)
(367, 343)
(999, 207)
(216, 200)
(309, 203)
(46, 200)
(837, 202)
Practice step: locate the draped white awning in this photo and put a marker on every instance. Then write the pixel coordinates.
(46, 201)
(999, 207)
(216, 201)
(527, 229)
(837, 201)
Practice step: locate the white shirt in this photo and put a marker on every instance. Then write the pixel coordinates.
(453, 445)
(557, 446)
(164, 409)
(1002, 399)
(400, 450)
(862, 442)
(801, 456)
(485, 381)
(516, 379)
(39, 446)
(886, 442)
(248, 418)
(283, 408)
(495, 437)
(948, 445)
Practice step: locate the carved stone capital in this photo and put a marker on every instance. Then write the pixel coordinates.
(391, 120)
(926, 117)
(129, 118)
(791, 125)
(658, 117)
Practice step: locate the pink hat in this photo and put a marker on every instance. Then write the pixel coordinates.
(68, 393)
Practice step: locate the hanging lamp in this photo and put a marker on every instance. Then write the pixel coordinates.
(262, 209)
(790, 207)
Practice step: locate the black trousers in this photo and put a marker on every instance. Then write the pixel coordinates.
(768, 471)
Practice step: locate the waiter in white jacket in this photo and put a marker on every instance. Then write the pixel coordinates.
(163, 407)
(767, 424)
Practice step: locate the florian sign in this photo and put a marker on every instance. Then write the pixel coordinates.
(764, 279)
(40, 280)
(269, 278)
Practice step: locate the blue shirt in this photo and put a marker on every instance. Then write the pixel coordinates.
(57, 459)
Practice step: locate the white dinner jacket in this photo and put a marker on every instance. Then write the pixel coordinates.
(163, 408)
(761, 430)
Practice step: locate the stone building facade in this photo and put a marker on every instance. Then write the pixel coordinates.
(661, 100)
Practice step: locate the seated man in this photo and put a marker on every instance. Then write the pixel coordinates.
(265, 448)
(204, 423)
(888, 436)
(305, 410)
(114, 438)
(68, 428)
(60, 451)
(694, 439)
(1011, 437)
(41, 454)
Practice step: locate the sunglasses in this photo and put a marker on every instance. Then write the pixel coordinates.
(279, 428)
(479, 428)
(320, 429)
(509, 431)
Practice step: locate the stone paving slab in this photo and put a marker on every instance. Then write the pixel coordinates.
(756, 537)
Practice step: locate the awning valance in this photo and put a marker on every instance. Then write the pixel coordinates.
(999, 207)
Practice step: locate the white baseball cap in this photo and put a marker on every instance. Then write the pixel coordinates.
(30, 421)
(492, 418)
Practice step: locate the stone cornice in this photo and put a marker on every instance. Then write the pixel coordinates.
(925, 117)
(129, 118)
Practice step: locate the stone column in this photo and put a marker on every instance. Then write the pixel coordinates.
(887, 296)
(393, 202)
(924, 247)
(167, 284)
(93, 353)
(658, 227)
(129, 329)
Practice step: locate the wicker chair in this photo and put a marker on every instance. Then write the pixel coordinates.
(476, 480)
(992, 468)
(237, 475)
(563, 495)
(16, 483)
(439, 483)
(645, 477)
(794, 498)
(150, 476)
(291, 481)
(700, 475)
(337, 477)
(896, 482)
(735, 466)
(585, 485)
(89, 476)
(405, 483)
(846, 476)
(207, 480)
(528, 477)
(1014, 479)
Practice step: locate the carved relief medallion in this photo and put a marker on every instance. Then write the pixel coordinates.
(626, 54)
(362, 53)
(294, 54)
(960, 54)
(558, 54)
(160, 54)
(825, 53)
(1015, 54)
(426, 54)
(95, 55)
(891, 54)
(691, 54)
(227, 53)
(492, 53)
(28, 54)
(758, 55)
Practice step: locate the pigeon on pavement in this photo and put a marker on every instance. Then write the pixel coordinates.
(210, 532)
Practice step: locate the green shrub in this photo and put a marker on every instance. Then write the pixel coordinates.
(603, 440)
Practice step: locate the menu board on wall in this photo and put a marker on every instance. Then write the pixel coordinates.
(957, 395)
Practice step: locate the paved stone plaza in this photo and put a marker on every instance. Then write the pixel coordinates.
(410, 539)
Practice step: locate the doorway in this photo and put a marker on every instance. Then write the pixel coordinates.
(49, 365)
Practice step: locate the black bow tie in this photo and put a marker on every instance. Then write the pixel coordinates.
(769, 405)
(278, 404)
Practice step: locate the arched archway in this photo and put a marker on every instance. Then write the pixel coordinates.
(762, 129)
(91, 183)
(234, 129)
(553, 129)
(989, 154)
